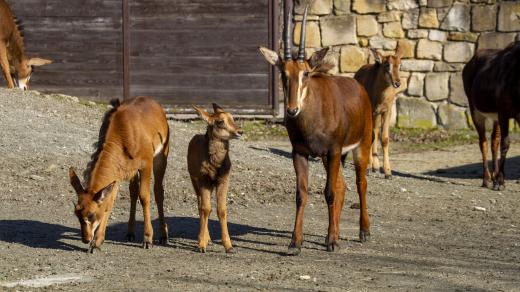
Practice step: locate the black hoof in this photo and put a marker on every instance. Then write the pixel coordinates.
(364, 235)
(332, 246)
(230, 251)
(130, 237)
(147, 245)
(294, 251)
(499, 187)
(163, 241)
(93, 248)
(202, 249)
(388, 176)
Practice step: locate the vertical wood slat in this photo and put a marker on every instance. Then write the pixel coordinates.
(126, 50)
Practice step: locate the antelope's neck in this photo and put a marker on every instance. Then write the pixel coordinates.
(217, 150)
(16, 48)
(109, 167)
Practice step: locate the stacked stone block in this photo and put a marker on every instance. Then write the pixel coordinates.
(438, 37)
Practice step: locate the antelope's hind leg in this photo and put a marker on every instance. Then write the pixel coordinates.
(144, 197)
(159, 168)
(134, 194)
(480, 125)
(204, 204)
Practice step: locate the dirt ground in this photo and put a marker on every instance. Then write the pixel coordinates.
(426, 232)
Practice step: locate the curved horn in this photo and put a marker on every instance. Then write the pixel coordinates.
(301, 51)
(288, 40)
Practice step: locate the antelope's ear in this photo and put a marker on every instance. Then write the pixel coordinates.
(217, 108)
(203, 114)
(102, 195)
(75, 182)
(399, 52)
(317, 57)
(270, 56)
(378, 57)
(38, 62)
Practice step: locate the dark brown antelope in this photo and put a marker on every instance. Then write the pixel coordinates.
(133, 141)
(492, 84)
(15, 65)
(381, 80)
(209, 167)
(326, 116)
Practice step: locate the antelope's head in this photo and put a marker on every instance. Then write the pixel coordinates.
(390, 66)
(89, 209)
(220, 124)
(296, 72)
(24, 69)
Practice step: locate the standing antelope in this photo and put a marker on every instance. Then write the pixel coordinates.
(491, 83)
(209, 167)
(327, 116)
(15, 65)
(381, 80)
(133, 140)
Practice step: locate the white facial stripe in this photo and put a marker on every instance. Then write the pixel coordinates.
(302, 91)
(22, 83)
(96, 224)
(346, 149)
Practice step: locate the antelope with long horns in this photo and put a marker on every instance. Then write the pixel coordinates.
(326, 116)
(133, 143)
(16, 67)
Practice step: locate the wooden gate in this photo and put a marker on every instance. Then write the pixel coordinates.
(181, 51)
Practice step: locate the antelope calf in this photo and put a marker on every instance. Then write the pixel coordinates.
(381, 80)
(209, 167)
(16, 67)
(133, 141)
(326, 116)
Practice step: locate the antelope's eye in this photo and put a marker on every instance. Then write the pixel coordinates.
(219, 123)
(91, 217)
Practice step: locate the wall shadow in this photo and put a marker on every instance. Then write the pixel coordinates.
(38, 234)
(474, 170)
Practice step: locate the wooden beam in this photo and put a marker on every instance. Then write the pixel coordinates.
(126, 49)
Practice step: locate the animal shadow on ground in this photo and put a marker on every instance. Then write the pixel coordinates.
(280, 152)
(38, 234)
(474, 170)
(183, 233)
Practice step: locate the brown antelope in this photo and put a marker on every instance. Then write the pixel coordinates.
(491, 82)
(15, 65)
(209, 167)
(326, 116)
(381, 80)
(133, 141)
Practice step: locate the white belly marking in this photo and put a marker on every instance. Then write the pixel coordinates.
(346, 149)
(491, 116)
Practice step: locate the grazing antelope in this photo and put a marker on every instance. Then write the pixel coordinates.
(326, 116)
(491, 82)
(133, 141)
(381, 80)
(16, 67)
(209, 167)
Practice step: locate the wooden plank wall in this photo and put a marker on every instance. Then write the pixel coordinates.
(82, 37)
(200, 51)
(181, 51)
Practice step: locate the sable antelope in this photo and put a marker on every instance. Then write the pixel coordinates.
(12, 51)
(209, 167)
(381, 80)
(326, 116)
(491, 82)
(133, 140)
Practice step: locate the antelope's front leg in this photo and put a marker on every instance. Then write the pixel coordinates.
(301, 167)
(144, 196)
(4, 62)
(222, 189)
(374, 157)
(385, 142)
(334, 195)
(134, 194)
(498, 181)
(204, 200)
(99, 236)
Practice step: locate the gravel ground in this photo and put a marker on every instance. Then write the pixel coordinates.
(433, 227)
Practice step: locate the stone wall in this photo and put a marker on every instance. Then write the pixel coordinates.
(438, 37)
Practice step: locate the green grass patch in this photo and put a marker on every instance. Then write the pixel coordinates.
(413, 140)
(256, 130)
